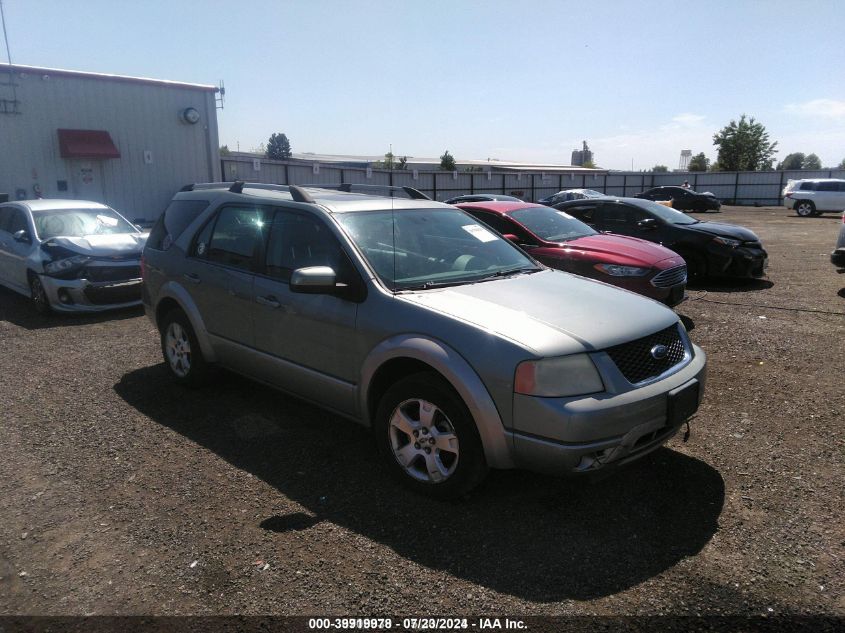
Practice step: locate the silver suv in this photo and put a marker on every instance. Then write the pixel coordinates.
(460, 351)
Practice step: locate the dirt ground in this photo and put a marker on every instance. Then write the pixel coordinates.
(121, 493)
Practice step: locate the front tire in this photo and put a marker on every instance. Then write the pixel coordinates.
(38, 296)
(427, 437)
(181, 350)
(805, 208)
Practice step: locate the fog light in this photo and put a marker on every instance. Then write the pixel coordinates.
(64, 296)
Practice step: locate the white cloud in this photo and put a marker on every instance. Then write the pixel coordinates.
(688, 118)
(819, 108)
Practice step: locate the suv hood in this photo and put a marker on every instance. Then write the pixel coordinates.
(102, 245)
(726, 230)
(611, 247)
(550, 312)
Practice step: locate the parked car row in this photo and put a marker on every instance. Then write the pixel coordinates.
(563, 242)
(452, 332)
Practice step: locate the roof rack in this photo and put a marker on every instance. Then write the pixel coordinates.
(297, 193)
(348, 187)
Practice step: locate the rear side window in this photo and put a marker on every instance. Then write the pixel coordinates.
(234, 237)
(584, 212)
(175, 219)
(827, 186)
(807, 186)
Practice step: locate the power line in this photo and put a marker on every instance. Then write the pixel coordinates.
(9, 56)
(701, 297)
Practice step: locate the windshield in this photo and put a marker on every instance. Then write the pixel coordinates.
(79, 223)
(433, 247)
(667, 214)
(551, 225)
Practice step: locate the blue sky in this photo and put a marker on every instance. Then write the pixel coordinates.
(485, 79)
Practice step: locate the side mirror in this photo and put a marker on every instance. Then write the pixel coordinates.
(313, 280)
(648, 223)
(22, 236)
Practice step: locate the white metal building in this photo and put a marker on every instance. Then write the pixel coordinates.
(125, 141)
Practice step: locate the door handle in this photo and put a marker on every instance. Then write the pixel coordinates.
(192, 277)
(269, 301)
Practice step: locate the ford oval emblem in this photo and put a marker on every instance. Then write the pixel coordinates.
(658, 352)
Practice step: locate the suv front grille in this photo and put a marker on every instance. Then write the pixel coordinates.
(635, 361)
(670, 277)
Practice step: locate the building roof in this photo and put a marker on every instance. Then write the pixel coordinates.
(44, 71)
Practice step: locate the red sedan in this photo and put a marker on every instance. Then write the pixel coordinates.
(563, 242)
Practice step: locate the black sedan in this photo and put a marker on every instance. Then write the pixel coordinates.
(711, 249)
(682, 198)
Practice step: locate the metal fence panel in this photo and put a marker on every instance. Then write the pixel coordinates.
(734, 187)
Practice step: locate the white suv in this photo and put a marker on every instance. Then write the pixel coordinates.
(814, 196)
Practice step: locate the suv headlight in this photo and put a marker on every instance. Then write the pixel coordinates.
(726, 241)
(622, 271)
(558, 377)
(64, 265)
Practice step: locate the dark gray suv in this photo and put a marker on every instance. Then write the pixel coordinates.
(411, 317)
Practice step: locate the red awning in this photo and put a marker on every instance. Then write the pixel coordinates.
(87, 144)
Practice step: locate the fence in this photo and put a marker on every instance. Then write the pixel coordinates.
(746, 188)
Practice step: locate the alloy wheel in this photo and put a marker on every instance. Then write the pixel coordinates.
(423, 441)
(178, 349)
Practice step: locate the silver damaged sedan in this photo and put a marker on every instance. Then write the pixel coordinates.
(70, 255)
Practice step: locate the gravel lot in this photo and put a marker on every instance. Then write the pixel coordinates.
(124, 494)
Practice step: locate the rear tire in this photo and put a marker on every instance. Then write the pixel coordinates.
(805, 208)
(427, 437)
(181, 350)
(38, 296)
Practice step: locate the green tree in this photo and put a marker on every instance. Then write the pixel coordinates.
(660, 169)
(744, 146)
(841, 165)
(589, 164)
(715, 166)
(699, 162)
(403, 163)
(224, 150)
(792, 161)
(812, 162)
(278, 147)
(447, 161)
(389, 162)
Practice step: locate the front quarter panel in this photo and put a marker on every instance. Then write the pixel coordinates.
(453, 367)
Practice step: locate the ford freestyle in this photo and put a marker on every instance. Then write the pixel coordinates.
(458, 350)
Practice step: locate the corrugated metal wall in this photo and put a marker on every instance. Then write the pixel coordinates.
(140, 117)
(762, 188)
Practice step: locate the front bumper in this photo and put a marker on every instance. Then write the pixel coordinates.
(82, 295)
(575, 435)
(739, 262)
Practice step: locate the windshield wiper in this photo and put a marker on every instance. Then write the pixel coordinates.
(509, 272)
(435, 284)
